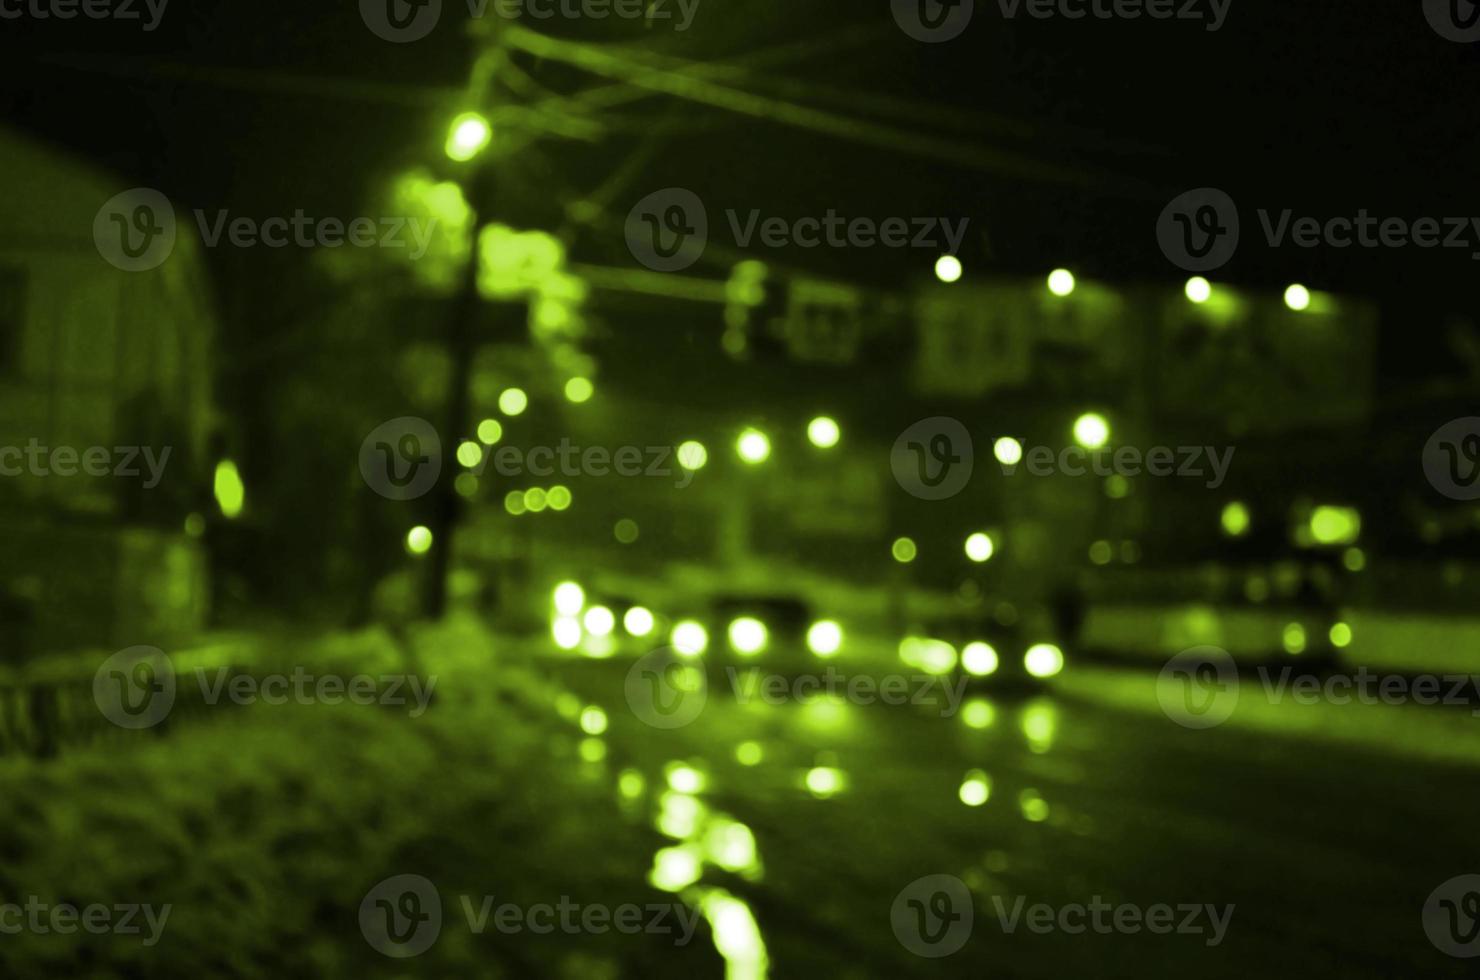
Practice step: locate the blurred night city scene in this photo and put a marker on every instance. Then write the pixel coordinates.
(704, 488)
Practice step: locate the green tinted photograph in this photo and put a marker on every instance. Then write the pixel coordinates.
(602, 489)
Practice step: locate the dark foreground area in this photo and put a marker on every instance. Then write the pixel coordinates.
(780, 838)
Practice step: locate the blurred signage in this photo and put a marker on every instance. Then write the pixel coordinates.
(843, 499)
(1250, 364)
(823, 322)
(972, 339)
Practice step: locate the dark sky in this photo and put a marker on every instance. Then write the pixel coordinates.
(1318, 107)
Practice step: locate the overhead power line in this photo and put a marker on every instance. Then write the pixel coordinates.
(690, 85)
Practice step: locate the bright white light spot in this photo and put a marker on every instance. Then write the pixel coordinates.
(600, 621)
(979, 547)
(948, 269)
(979, 659)
(637, 621)
(825, 638)
(569, 598)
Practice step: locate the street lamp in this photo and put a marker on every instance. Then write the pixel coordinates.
(754, 446)
(823, 432)
(468, 136)
(948, 269)
(1091, 430)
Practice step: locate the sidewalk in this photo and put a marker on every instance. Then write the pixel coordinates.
(265, 826)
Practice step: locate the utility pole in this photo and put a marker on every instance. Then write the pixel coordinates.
(468, 143)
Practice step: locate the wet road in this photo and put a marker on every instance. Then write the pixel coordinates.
(1326, 850)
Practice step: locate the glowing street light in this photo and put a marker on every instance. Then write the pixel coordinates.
(599, 621)
(823, 432)
(419, 540)
(230, 491)
(825, 638)
(753, 446)
(1061, 282)
(692, 455)
(948, 269)
(638, 621)
(689, 638)
(1091, 430)
(579, 390)
(468, 136)
(1236, 519)
(748, 635)
(513, 401)
(570, 598)
(979, 547)
(1043, 660)
(979, 659)
(1009, 451)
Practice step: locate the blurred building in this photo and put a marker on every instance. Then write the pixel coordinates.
(101, 371)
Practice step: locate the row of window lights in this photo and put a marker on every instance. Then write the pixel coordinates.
(1061, 282)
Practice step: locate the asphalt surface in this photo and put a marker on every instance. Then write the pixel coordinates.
(1274, 847)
